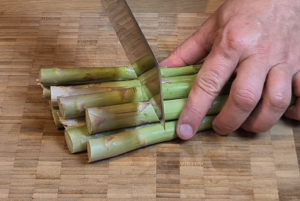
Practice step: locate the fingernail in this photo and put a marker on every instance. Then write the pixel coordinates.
(186, 131)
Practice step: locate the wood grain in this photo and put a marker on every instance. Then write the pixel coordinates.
(34, 160)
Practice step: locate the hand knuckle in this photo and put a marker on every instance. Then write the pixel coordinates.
(279, 102)
(245, 99)
(234, 41)
(209, 83)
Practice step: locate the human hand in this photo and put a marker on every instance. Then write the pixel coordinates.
(260, 42)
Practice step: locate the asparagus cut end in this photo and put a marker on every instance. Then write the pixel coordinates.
(69, 142)
(88, 147)
(46, 93)
(92, 120)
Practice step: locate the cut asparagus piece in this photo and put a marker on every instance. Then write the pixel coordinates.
(63, 91)
(134, 114)
(76, 138)
(119, 116)
(114, 145)
(55, 115)
(74, 106)
(71, 123)
(56, 76)
(46, 92)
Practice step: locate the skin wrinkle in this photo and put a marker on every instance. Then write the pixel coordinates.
(245, 99)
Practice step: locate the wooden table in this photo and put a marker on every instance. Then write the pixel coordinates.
(34, 160)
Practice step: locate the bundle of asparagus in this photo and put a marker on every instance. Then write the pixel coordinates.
(107, 112)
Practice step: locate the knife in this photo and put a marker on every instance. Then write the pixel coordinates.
(136, 46)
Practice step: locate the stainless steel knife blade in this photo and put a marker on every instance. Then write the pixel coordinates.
(136, 48)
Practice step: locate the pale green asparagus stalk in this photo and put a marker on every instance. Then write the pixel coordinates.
(150, 81)
(114, 145)
(134, 114)
(119, 116)
(83, 75)
(63, 91)
(74, 106)
(55, 76)
(146, 63)
(77, 137)
(179, 71)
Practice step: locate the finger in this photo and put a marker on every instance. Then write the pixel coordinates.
(194, 48)
(245, 93)
(216, 70)
(293, 112)
(275, 101)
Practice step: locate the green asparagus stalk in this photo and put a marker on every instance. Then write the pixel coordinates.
(83, 75)
(143, 64)
(74, 106)
(55, 76)
(179, 71)
(150, 81)
(134, 114)
(172, 87)
(114, 145)
(77, 137)
(63, 91)
(119, 116)
(173, 108)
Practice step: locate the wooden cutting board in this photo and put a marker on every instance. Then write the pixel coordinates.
(34, 160)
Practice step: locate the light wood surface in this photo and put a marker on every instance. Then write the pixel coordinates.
(34, 160)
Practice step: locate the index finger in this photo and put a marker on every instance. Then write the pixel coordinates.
(215, 72)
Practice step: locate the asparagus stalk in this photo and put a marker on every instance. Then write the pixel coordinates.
(134, 114)
(179, 71)
(74, 106)
(55, 76)
(150, 81)
(76, 138)
(62, 91)
(119, 116)
(146, 63)
(114, 145)
(83, 75)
